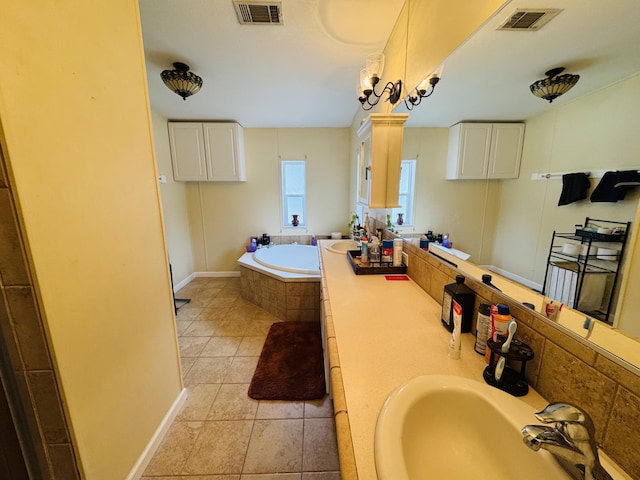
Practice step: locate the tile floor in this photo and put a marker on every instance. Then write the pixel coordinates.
(221, 433)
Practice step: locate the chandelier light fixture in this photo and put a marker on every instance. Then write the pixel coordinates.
(370, 77)
(181, 81)
(424, 90)
(554, 85)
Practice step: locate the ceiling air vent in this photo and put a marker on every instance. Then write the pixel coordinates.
(259, 13)
(529, 19)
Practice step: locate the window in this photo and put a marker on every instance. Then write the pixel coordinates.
(293, 192)
(405, 198)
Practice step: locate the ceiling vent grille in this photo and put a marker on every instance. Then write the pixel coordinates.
(259, 13)
(529, 19)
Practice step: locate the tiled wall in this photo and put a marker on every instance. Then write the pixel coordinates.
(25, 344)
(289, 301)
(564, 369)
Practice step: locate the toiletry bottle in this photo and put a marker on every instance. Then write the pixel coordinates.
(364, 250)
(455, 343)
(387, 250)
(493, 311)
(465, 297)
(501, 320)
(397, 252)
(483, 328)
(314, 242)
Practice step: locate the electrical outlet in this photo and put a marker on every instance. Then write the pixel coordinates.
(162, 178)
(405, 259)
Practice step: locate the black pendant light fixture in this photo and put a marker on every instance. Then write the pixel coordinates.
(554, 85)
(181, 81)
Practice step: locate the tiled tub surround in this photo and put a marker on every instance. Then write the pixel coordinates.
(289, 300)
(564, 368)
(390, 332)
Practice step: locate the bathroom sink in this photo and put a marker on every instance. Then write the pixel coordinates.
(343, 246)
(441, 426)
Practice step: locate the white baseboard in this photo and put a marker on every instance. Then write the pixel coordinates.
(142, 463)
(217, 274)
(184, 282)
(516, 278)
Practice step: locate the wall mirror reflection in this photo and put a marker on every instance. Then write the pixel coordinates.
(508, 224)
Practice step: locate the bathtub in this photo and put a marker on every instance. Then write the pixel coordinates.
(285, 262)
(284, 280)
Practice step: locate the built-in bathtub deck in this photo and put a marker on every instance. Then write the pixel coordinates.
(286, 295)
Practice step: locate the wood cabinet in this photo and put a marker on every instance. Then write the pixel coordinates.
(484, 150)
(379, 160)
(207, 151)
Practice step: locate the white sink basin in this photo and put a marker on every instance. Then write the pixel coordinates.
(342, 246)
(447, 427)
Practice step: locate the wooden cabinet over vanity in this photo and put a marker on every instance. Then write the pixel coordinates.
(484, 150)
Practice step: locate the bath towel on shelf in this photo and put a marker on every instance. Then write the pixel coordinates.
(614, 186)
(574, 187)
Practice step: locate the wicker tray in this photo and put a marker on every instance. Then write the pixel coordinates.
(371, 268)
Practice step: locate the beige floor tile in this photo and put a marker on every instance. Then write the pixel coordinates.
(220, 448)
(221, 347)
(274, 409)
(182, 325)
(213, 314)
(320, 450)
(208, 370)
(319, 408)
(186, 363)
(195, 477)
(275, 446)
(222, 301)
(189, 312)
(321, 476)
(233, 403)
(233, 327)
(191, 346)
(272, 476)
(200, 397)
(229, 291)
(174, 450)
(200, 328)
(251, 346)
(241, 370)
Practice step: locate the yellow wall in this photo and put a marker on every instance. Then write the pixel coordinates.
(174, 206)
(74, 110)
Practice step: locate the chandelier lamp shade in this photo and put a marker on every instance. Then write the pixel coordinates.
(424, 90)
(181, 81)
(554, 85)
(370, 77)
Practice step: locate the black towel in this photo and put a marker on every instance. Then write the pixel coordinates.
(614, 186)
(574, 187)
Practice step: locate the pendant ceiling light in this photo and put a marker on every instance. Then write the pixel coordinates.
(181, 81)
(554, 85)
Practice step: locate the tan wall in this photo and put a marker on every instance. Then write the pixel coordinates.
(174, 206)
(74, 110)
(222, 216)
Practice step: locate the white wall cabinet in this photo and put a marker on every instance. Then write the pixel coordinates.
(484, 150)
(379, 160)
(207, 151)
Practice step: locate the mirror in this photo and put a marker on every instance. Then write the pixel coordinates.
(509, 223)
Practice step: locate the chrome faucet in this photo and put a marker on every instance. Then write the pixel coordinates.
(569, 434)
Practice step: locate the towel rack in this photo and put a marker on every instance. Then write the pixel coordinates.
(591, 174)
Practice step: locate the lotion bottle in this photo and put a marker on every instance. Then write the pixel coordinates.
(455, 344)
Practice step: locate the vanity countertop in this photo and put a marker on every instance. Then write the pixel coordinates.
(386, 332)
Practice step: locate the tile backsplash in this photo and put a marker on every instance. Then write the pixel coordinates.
(564, 368)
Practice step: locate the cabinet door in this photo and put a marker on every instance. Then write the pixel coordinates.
(224, 150)
(187, 151)
(469, 146)
(506, 150)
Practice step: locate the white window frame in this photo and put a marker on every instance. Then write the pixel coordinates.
(407, 207)
(286, 215)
